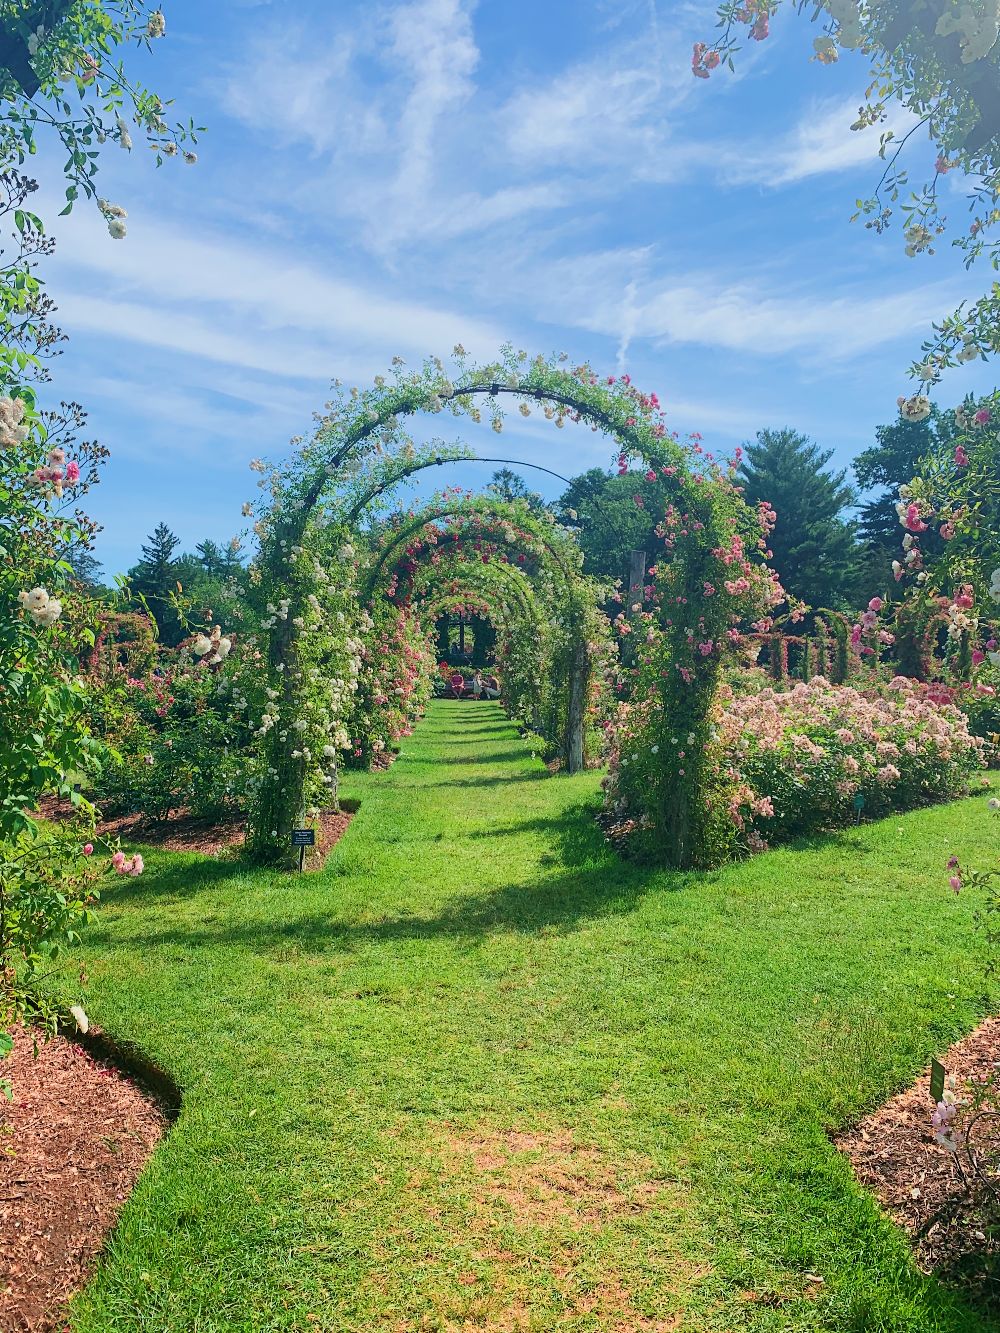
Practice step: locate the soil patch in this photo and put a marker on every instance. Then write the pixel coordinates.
(536, 1202)
(72, 1144)
(918, 1181)
(182, 832)
(543, 1178)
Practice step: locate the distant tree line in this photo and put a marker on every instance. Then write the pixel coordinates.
(829, 547)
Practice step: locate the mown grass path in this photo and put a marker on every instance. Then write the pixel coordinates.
(480, 1075)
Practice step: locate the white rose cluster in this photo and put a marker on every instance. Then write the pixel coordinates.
(969, 350)
(114, 215)
(915, 408)
(918, 239)
(214, 647)
(12, 429)
(43, 609)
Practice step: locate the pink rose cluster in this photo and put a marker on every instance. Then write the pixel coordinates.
(55, 473)
(814, 749)
(128, 865)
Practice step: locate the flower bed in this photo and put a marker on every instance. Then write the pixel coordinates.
(799, 760)
(787, 763)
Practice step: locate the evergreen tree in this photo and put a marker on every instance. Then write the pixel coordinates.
(153, 581)
(815, 548)
(86, 567)
(218, 562)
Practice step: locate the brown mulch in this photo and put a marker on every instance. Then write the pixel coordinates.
(72, 1144)
(181, 832)
(918, 1182)
(332, 825)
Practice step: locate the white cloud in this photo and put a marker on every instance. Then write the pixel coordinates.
(432, 40)
(247, 305)
(634, 295)
(592, 113)
(380, 103)
(747, 318)
(302, 88)
(821, 142)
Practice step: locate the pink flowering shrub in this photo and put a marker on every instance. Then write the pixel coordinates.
(177, 737)
(393, 686)
(797, 760)
(787, 763)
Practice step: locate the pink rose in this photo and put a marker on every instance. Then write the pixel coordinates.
(88, 849)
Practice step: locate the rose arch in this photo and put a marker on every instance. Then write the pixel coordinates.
(526, 565)
(709, 581)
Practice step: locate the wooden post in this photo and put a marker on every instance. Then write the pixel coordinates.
(576, 719)
(636, 579)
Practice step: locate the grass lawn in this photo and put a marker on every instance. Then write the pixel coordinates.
(480, 1075)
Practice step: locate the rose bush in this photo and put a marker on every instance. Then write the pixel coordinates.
(787, 763)
(179, 737)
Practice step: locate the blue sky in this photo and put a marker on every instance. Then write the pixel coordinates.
(382, 179)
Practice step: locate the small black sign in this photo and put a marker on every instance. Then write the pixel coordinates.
(303, 837)
(937, 1080)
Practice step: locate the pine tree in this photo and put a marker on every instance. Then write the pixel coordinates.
(219, 562)
(154, 581)
(815, 548)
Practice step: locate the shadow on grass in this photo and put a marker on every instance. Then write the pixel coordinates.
(512, 755)
(595, 884)
(184, 874)
(540, 776)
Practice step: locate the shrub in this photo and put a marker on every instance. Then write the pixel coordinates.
(179, 738)
(782, 764)
(798, 760)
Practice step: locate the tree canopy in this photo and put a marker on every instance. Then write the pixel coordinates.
(815, 550)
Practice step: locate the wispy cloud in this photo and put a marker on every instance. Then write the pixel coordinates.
(433, 40)
(248, 305)
(820, 143)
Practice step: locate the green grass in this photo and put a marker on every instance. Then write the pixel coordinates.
(473, 960)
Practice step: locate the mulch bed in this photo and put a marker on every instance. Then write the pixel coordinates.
(917, 1181)
(181, 832)
(72, 1145)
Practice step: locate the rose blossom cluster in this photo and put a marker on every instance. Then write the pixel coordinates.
(811, 750)
(12, 429)
(55, 472)
(44, 609)
(128, 865)
(790, 762)
(214, 647)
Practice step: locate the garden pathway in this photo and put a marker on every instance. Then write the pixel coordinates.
(480, 1075)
